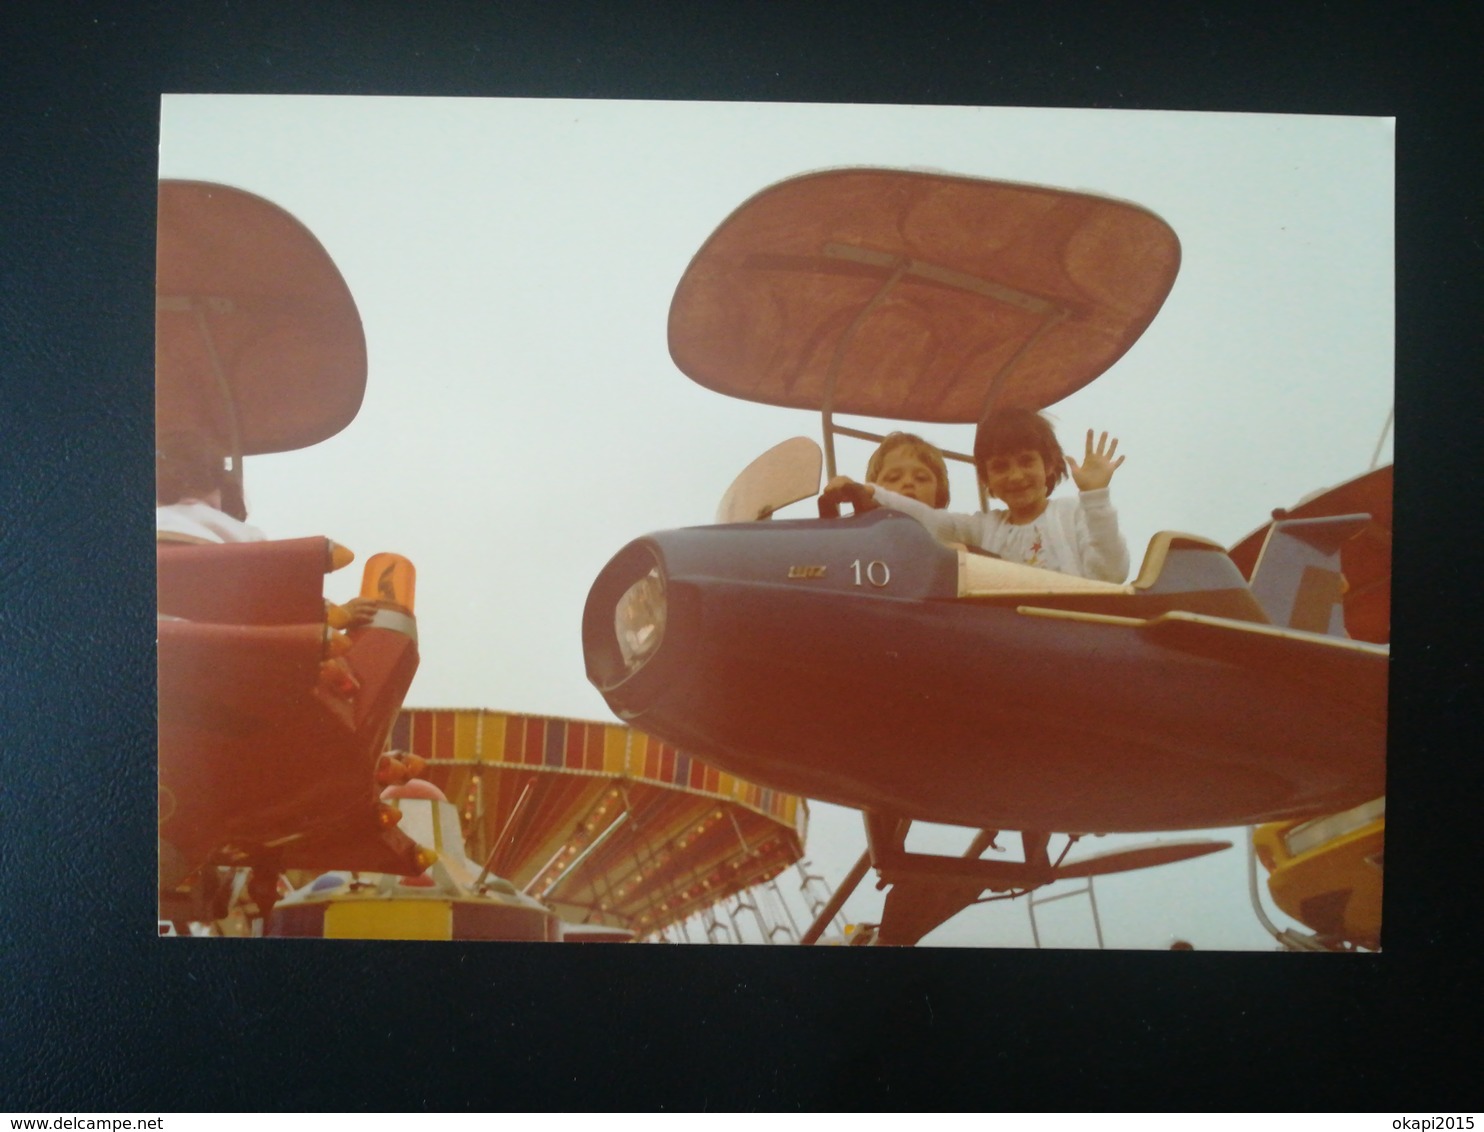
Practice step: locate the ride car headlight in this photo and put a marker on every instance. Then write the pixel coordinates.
(639, 619)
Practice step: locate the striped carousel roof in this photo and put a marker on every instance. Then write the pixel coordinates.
(607, 824)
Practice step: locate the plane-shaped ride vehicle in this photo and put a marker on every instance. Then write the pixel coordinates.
(1327, 871)
(272, 718)
(858, 660)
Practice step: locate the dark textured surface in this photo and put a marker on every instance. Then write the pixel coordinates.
(96, 1014)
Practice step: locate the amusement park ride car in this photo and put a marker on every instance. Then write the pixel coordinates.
(283, 746)
(859, 661)
(1327, 871)
(452, 899)
(272, 720)
(583, 831)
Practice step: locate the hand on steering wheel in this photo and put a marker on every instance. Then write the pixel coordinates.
(843, 489)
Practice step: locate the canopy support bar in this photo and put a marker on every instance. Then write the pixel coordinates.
(827, 410)
(586, 853)
(500, 837)
(198, 306)
(1050, 313)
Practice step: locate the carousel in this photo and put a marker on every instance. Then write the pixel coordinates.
(608, 826)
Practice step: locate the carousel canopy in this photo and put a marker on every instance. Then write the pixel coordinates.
(607, 824)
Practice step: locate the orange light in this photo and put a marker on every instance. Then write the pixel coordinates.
(390, 771)
(417, 766)
(337, 556)
(336, 616)
(336, 677)
(389, 579)
(425, 857)
(388, 815)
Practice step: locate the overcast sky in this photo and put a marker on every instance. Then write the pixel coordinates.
(513, 263)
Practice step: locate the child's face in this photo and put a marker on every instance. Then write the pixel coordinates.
(1018, 480)
(903, 472)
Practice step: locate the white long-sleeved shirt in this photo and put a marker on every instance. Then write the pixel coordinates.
(1074, 536)
(194, 521)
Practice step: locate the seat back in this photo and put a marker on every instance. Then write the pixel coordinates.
(1195, 575)
(279, 582)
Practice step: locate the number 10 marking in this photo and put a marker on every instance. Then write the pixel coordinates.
(877, 572)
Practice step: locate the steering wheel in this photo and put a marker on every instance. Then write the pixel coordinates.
(830, 508)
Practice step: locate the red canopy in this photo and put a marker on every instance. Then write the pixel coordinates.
(931, 296)
(257, 338)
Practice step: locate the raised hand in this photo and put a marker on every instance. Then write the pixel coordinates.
(1098, 465)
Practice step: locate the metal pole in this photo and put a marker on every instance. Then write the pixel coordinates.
(229, 403)
(713, 926)
(581, 857)
(782, 903)
(1262, 916)
(827, 411)
(837, 901)
(812, 899)
(748, 899)
(1376, 456)
(1097, 921)
(499, 839)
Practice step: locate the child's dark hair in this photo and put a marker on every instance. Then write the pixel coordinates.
(928, 453)
(188, 465)
(1006, 431)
